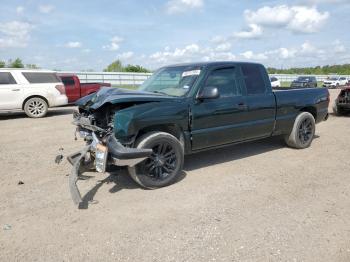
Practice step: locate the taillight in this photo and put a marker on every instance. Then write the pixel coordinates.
(61, 89)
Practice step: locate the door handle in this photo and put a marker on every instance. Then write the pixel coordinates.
(242, 106)
(17, 89)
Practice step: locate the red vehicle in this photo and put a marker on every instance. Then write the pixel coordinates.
(76, 90)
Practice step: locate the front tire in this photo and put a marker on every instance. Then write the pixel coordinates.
(36, 107)
(303, 131)
(338, 111)
(164, 166)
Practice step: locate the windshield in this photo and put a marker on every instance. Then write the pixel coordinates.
(172, 81)
(334, 78)
(303, 78)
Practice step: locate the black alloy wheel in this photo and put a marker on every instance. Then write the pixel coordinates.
(305, 131)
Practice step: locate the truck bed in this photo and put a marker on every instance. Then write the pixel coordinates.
(290, 101)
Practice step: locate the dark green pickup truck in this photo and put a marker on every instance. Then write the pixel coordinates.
(186, 108)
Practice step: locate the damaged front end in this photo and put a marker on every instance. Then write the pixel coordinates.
(102, 149)
(344, 98)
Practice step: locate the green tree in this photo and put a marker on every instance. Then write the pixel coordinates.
(136, 69)
(317, 70)
(116, 66)
(32, 66)
(2, 64)
(16, 64)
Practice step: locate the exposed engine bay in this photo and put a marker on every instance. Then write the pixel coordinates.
(344, 97)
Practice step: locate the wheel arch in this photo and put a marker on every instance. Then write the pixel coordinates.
(32, 96)
(172, 129)
(310, 109)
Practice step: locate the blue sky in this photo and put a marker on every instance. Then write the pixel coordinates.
(88, 35)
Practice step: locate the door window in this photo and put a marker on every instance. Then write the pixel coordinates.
(225, 80)
(40, 78)
(6, 79)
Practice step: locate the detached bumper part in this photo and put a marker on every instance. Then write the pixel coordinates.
(75, 160)
(124, 156)
(117, 154)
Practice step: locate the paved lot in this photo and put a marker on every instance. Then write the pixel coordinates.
(259, 201)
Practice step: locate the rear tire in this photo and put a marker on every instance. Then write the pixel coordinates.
(303, 131)
(165, 165)
(36, 107)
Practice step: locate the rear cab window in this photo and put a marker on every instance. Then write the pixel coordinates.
(67, 80)
(41, 78)
(255, 79)
(6, 78)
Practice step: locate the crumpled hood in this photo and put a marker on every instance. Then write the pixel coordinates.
(119, 95)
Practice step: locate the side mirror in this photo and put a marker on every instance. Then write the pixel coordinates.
(209, 92)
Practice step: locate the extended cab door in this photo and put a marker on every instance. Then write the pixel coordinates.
(218, 121)
(10, 92)
(260, 100)
(72, 88)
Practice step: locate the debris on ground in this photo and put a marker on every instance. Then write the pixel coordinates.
(20, 182)
(60, 156)
(7, 227)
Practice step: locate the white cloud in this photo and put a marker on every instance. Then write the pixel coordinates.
(188, 53)
(73, 45)
(285, 53)
(46, 9)
(19, 9)
(305, 54)
(307, 20)
(269, 16)
(86, 50)
(15, 34)
(216, 56)
(223, 47)
(114, 43)
(191, 53)
(326, 1)
(307, 49)
(254, 32)
(125, 55)
(300, 19)
(181, 6)
(339, 48)
(218, 39)
(250, 55)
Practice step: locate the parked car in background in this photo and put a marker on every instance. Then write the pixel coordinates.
(275, 82)
(304, 82)
(335, 82)
(342, 103)
(75, 89)
(184, 109)
(33, 91)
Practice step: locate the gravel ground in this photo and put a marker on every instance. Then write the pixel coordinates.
(259, 201)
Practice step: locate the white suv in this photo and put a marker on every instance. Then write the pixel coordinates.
(335, 82)
(33, 91)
